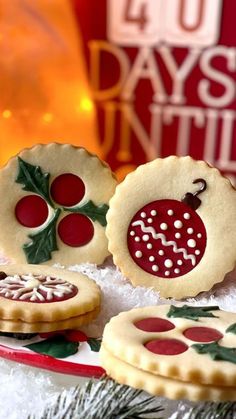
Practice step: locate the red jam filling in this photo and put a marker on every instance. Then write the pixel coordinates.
(154, 324)
(202, 334)
(75, 230)
(166, 346)
(31, 211)
(67, 189)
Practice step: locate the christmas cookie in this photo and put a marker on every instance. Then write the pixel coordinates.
(166, 223)
(161, 386)
(54, 199)
(189, 344)
(37, 298)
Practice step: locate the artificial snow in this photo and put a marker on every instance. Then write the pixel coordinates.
(27, 390)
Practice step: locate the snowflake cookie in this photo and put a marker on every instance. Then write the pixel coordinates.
(170, 226)
(54, 200)
(37, 298)
(178, 352)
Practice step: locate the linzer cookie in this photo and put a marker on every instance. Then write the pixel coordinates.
(170, 226)
(53, 204)
(37, 298)
(192, 349)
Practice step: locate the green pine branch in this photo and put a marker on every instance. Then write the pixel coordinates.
(102, 399)
(226, 410)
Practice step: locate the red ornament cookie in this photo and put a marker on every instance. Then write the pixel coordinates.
(165, 226)
(57, 205)
(188, 348)
(37, 298)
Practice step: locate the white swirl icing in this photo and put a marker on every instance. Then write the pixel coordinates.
(164, 242)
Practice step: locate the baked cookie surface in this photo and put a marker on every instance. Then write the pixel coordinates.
(170, 226)
(187, 344)
(53, 204)
(37, 298)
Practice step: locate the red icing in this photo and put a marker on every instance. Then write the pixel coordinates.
(154, 324)
(170, 264)
(166, 346)
(76, 230)
(202, 334)
(31, 211)
(67, 189)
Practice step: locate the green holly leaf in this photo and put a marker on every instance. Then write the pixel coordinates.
(216, 352)
(34, 180)
(56, 346)
(94, 344)
(231, 328)
(96, 213)
(192, 313)
(44, 242)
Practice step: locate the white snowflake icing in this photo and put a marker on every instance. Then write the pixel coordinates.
(35, 288)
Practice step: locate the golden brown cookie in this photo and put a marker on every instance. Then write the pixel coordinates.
(161, 386)
(41, 298)
(166, 223)
(53, 204)
(190, 344)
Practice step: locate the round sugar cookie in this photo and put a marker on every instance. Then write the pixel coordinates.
(34, 294)
(53, 204)
(190, 344)
(161, 386)
(170, 226)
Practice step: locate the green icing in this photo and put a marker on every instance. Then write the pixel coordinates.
(57, 346)
(96, 213)
(216, 352)
(191, 313)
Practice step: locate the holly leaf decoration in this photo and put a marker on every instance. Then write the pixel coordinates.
(96, 213)
(231, 329)
(191, 313)
(94, 344)
(42, 243)
(216, 352)
(58, 347)
(34, 180)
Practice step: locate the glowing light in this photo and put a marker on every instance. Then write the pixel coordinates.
(6, 114)
(47, 117)
(86, 104)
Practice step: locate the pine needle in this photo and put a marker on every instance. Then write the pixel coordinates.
(209, 410)
(102, 399)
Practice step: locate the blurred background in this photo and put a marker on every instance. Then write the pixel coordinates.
(130, 80)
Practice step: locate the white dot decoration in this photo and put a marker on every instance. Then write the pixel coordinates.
(149, 245)
(138, 254)
(190, 230)
(145, 237)
(163, 226)
(186, 216)
(168, 263)
(151, 258)
(191, 243)
(176, 271)
(170, 212)
(167, 273)
(137, 239)
(132, 233)
(179, 262)
(199, 235)
(177, 235)
(155, 268)
(161, 252)
(197, 252)
(149, 220)
(143, 214)
(178, 224)
(153, 213)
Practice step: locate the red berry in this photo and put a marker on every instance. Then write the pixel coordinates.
(202, 334)
(75, 230)
(154, 324)
(31, 211)
(166, 346)
(76, 336)
(67, 189)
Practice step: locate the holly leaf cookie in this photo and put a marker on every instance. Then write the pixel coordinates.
(37, 298)
(165, 226)
(177, 348)
(53, 204)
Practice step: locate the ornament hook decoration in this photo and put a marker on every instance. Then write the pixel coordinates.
(191, 199)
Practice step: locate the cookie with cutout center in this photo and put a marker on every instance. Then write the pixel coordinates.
(37, 298)
(170, 226)
(53, 204)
